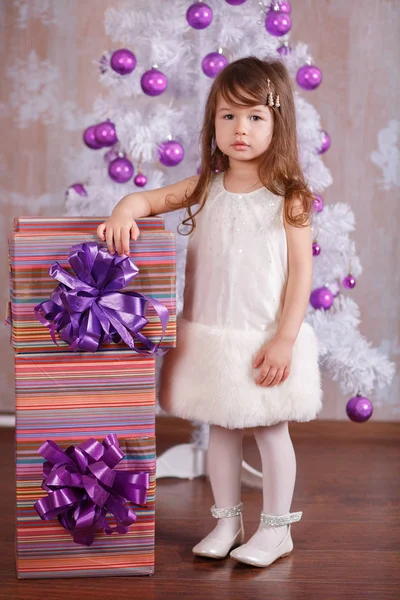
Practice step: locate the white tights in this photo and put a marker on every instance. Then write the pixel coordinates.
(224, 458)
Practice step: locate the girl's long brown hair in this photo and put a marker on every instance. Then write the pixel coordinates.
(244, 83)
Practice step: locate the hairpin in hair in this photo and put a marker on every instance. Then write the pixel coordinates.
(270, 96)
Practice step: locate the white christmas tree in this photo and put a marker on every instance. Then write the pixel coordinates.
(158, 76)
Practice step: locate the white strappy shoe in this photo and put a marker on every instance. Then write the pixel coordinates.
(250, 555)
(214, 545)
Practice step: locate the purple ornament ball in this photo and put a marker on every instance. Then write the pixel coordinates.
(123, 61)
(284, 50)
(359, 408)
(171, 153)
(140, 180)
(316, 249)
(90, 139)
(326, 143)
(153, 82)
(213, 63)
(349, 282)
(318, 203)
(79, 188)
(235, 2)
(105, 133)
(283, 6)
(321, 298)
(309, 77)
(120, 170)
(277, 23)
(199, 15)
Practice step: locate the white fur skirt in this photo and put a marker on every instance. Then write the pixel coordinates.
(208, 377)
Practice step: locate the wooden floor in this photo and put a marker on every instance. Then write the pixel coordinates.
(346, 545)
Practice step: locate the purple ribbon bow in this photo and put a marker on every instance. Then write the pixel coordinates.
(83, 487)
(88, 310)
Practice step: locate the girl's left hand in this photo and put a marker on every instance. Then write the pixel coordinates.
(274, 360)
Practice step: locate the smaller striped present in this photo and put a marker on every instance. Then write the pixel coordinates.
(37, 243)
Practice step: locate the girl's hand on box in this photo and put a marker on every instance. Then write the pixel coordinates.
(117, 231)
(273, 360)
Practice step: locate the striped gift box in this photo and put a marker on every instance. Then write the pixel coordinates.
(69, 397)
(37, 243)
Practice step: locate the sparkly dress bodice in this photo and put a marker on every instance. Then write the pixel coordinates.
(236, 268)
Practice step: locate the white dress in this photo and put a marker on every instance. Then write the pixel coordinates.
(236, 273)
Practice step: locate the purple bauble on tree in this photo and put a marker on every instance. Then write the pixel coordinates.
(309, 77)
(349, 282)
(120, 170)
(79, 188)
(277, 23)
(321, 298)
(326, 143)
(90, 139)
(171, 153)
(359, 408)
(284, 50)
(316, 249)
(140, 180)
(281, 6)
(318, 203)
(153, 82)
(213, 63)
(235, 2)
(199, 15)
(105, 133)
(123, 61)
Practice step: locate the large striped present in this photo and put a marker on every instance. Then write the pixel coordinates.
(69, 401)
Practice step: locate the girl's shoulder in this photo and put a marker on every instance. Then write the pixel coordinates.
(216, 185)
(216, 179)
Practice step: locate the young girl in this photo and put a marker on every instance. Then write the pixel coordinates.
(244, 357)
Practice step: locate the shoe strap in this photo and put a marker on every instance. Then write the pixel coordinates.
(278, 521)
(222, 513)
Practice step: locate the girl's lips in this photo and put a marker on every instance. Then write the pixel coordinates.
(240, 145)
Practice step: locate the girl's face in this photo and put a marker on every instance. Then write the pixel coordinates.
(242, 133)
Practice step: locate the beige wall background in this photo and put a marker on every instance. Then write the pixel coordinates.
(356, 44)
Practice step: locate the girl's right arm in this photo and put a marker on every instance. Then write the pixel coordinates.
(121, 225)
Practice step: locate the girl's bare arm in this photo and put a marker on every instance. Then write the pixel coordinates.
(121, 225)
(299, 284)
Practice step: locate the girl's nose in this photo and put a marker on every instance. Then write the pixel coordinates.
(240, 128)
(240, 131)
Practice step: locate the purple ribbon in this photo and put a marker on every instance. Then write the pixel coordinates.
(88, 310)
(83, 487)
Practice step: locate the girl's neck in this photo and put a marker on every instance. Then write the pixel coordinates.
(241, 180)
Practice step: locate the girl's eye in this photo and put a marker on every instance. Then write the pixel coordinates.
(230, 117)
